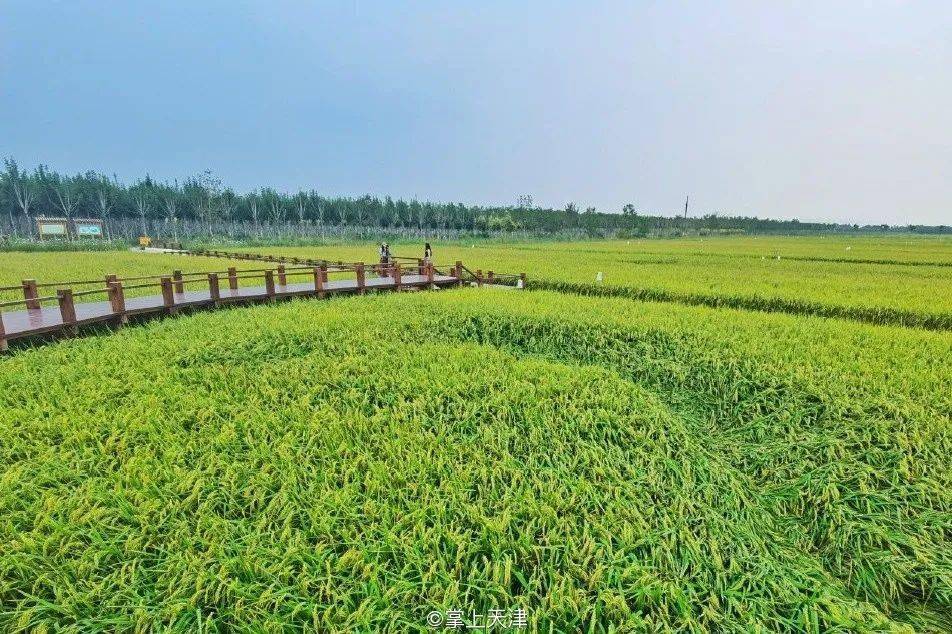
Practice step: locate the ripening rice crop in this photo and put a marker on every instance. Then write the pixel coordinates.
(845, 428)
(899, 280)
(355, 464)
(896, 280)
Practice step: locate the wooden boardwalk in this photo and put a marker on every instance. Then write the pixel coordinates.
(210, 289)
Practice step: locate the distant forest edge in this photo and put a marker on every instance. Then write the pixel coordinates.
(201, 207)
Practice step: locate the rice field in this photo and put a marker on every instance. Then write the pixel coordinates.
(907, 281)
(896, 280)
(601, 463)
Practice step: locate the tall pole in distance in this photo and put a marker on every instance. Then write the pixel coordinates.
(685, 223)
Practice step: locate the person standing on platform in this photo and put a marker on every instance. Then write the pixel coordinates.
(384, 256)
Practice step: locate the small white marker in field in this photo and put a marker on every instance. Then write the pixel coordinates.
(599, 277)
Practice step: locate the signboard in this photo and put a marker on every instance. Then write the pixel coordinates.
(67, 228)
(144, 241)
(88, 228)
(52, 227)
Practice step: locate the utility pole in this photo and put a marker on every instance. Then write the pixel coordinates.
(686, 207)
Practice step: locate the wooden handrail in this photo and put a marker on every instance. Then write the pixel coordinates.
(471, 274)
(69, 283)
(157, 277)
(17, 302)
(422, 274)
(276, 284)
(135, 286)
(179, 277)
(92, 291)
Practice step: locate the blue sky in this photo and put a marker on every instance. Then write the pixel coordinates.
(815, 110)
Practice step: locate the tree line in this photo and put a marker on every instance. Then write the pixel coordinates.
(203, 204)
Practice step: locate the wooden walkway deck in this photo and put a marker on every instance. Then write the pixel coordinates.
(216, 288)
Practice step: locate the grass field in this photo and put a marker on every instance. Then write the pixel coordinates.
(603, 463)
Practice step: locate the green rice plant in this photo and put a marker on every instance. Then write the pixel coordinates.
(845, 428)
(901, 280)
(607, 464)
(868, 314)
(355, 464)
(904, 281)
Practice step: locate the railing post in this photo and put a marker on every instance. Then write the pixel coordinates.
(397, 276)
(459, 269)
(361, 280)
(117, 300)
(179, 285)
(429, 275)
(213, 290)
(490, 277)
(269, 284)
(324, 272)
(419, 263)
(3, 338)
(479, 277)
(111, 278)
(319, 276)
(282, 276)
(232, 278)
(30, 294)
(67, 309)
(168, 294)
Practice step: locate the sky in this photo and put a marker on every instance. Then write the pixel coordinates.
(835, 111)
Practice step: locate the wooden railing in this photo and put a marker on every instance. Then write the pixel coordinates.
(274, 278)
(491, 277)
(243, 255)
